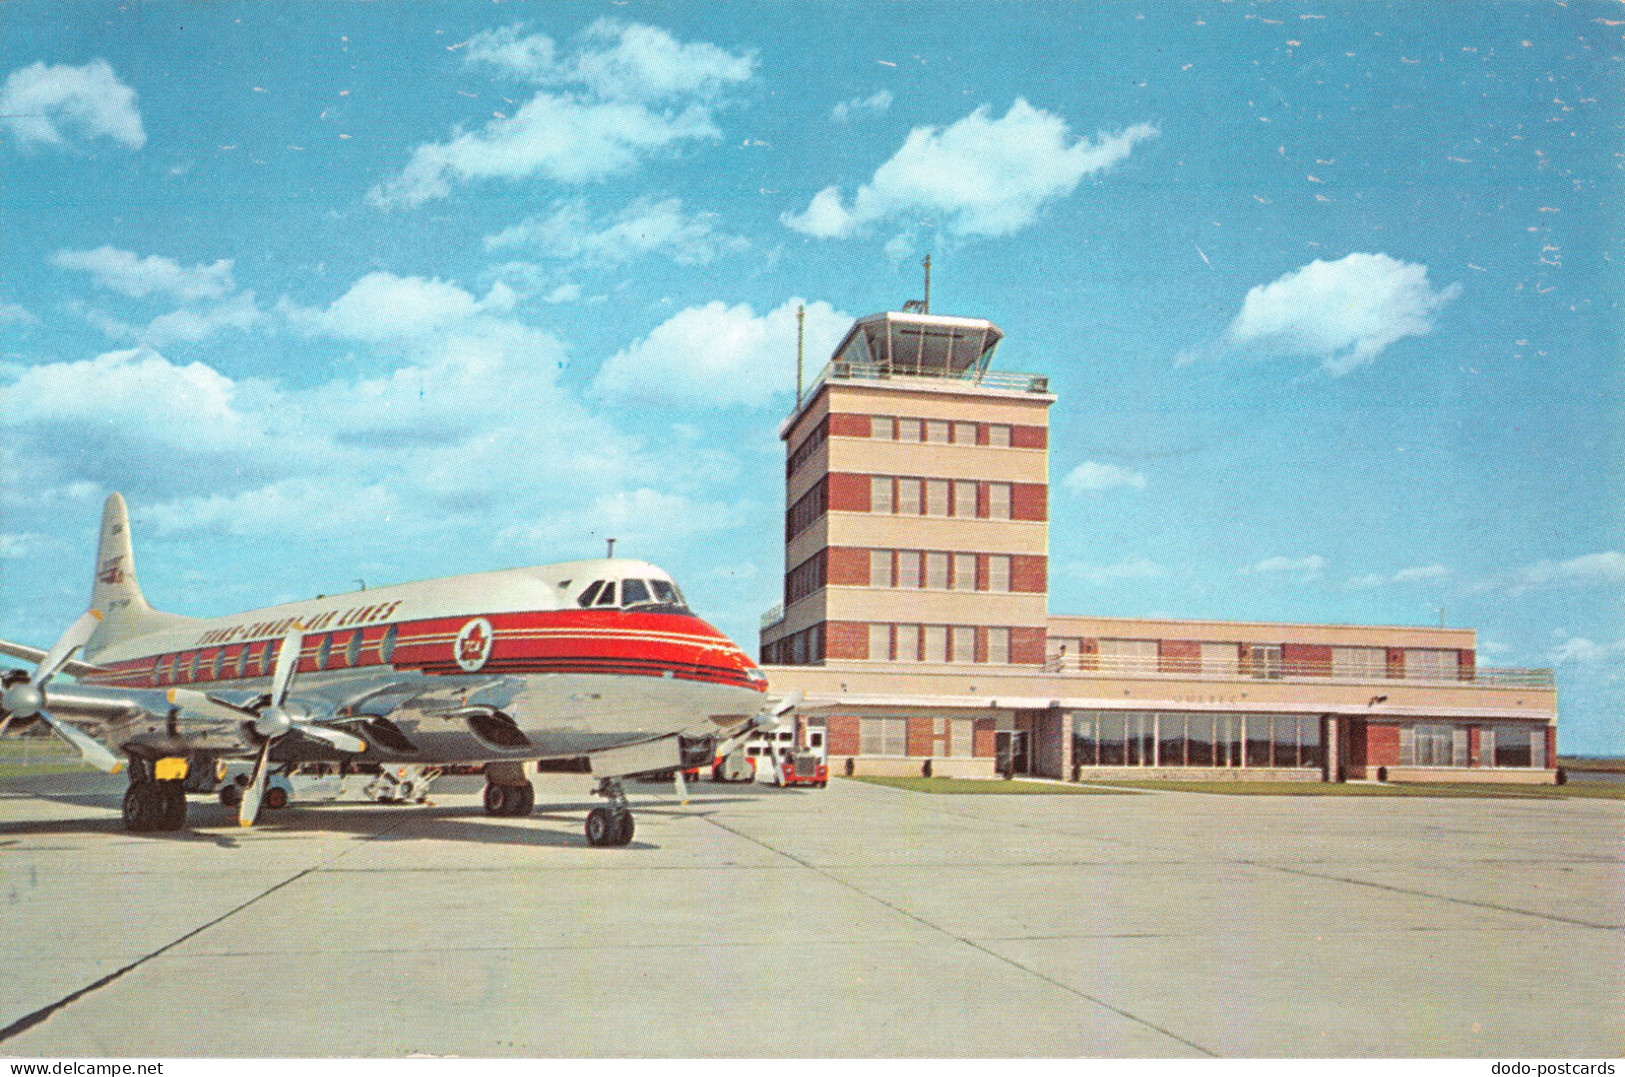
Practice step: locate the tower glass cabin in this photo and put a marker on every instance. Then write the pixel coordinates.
(916, 503)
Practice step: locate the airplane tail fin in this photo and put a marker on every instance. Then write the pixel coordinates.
(116, 594)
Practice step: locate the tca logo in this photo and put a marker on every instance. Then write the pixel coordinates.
(473, 645)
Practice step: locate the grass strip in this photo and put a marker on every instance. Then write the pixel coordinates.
(983, 786)
(1574, 790)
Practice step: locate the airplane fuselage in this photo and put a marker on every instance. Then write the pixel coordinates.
(492, 666)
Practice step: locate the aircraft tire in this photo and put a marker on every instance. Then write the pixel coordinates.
(602, 827)
(276, 798)
(231, 794)
(625, 829)
(141, 807)
(520, 799)
(496, 799)
(171, 800)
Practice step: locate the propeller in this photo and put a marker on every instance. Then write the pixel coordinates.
(270, 722)
(25, 699)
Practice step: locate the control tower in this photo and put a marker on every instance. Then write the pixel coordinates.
(916, 494)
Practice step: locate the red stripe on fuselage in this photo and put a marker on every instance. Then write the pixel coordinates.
(553, 641)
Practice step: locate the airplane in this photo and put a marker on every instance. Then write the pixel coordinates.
(595, 662)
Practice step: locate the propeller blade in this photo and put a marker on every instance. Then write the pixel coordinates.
(287, 662)
(249, 809)
(344, 742)
(77, 635)
(91, 750)
(788, 703)
(682, 786)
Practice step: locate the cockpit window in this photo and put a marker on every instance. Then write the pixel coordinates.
(635, 593)
(589, 594)
(606, 597)
(667, 594)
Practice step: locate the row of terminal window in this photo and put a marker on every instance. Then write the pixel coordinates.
(258, 659)
(1263, 661)
(937, 643)
(937, 497)
(935, 431)
(604, 594)
(936, 570)
(1141, 739)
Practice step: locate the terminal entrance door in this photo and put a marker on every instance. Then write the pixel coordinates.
(1010, 751)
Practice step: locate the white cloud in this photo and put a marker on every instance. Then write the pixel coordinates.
(1419, 574)
(879, 101)
(719, 356)
(11, 312)
(317, 505)
(239, 312)
(1132, 568)
(1091, 477)
(128, 274)
(1590, 570)
(977, 177)
(382, 306)
(1578, 651)
(645, 227)
(138, 390)
(642, 92)
(46, 103)
(1344, 313)
(1305, 568)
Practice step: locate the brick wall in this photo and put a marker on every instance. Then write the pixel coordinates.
(1306, 659)
(846, 639)
(1475, 744)
(848, 493)
(1028, 574)
(1029, 437)
(1551, 747)
(984, 740)
(1382, 745)
(1396, 662)
(848, 426)
(843, 734)
(1179, 656)
(919, 737)
(1466, 664)
(847, 567)
(1027, 646)
(1029, 501)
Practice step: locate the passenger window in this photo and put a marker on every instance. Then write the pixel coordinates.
(386, 646)
(352, 652)
(635, 593)
(325, 651)
(606, 597)
(219, 664)
(589, 594)
(242, 660)
(191, 670)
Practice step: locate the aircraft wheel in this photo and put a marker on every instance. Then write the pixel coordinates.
(231, 794)
(171, 802)
(520, 799)
(624, 832)
(496, 799)
(602, 827)
(141, 807)
(276, 798)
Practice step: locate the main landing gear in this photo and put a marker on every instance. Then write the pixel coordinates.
(153, 805)
(509, 799)
(612, 825)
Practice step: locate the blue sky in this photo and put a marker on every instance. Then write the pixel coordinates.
(332, 292)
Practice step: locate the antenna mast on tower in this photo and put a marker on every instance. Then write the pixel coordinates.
(927, 264)
(801, 320)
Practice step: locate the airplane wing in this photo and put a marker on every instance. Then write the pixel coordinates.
(34, 656)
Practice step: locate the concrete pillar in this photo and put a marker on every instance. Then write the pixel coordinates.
(1333, 749)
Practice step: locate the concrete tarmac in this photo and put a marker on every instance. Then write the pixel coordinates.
(851, 921)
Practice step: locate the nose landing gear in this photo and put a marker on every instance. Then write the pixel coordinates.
(613, 825)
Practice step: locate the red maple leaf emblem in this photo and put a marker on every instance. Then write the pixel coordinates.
(474, 644)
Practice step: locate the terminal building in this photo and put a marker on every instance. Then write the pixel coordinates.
(916, 621)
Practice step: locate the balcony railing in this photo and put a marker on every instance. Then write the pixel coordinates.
(1178, 668)
(836, 370)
